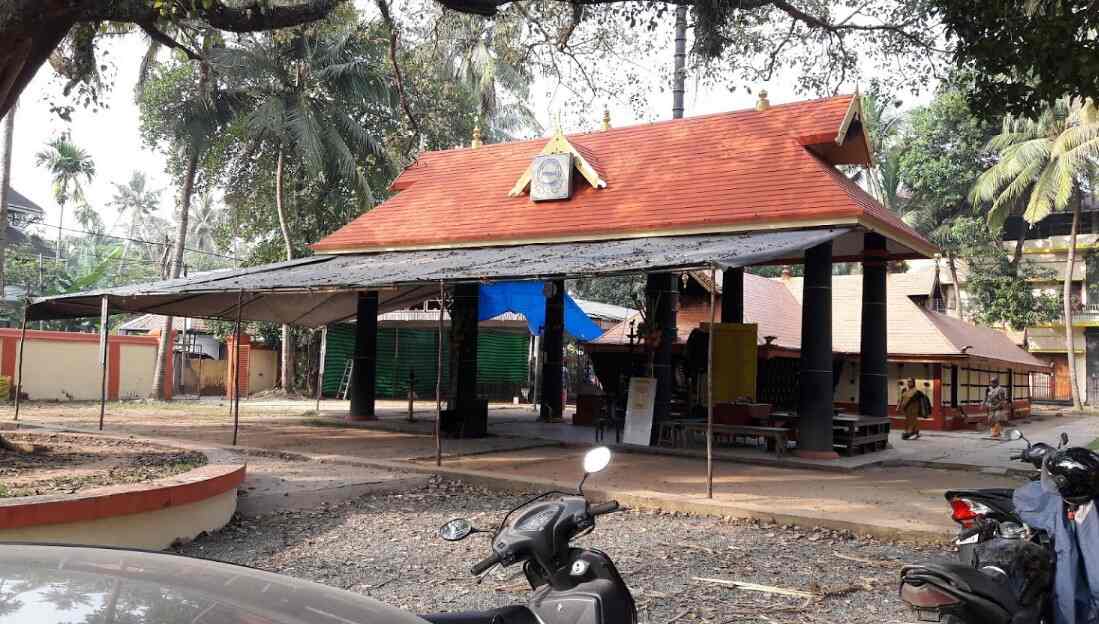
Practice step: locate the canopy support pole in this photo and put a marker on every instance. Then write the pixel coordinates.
(439, 381)
(104, 318)
(320, 367)
(236, 365)
(19, 370)
(710, 390)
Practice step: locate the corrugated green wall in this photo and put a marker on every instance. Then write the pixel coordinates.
(501, 361)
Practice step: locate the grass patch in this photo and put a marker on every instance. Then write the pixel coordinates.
(323, 422)
(1094, 444)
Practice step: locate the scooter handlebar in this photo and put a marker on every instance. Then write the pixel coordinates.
(484, 564)
(599, 509)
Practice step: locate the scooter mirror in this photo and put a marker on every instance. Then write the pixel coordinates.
(1064, 439)
(1014, 434)
(456, 530)
(597, 459)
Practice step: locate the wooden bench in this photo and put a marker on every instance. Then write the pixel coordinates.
(854, 434)
(692, 433)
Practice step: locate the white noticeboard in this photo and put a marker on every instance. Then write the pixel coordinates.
(639, 411)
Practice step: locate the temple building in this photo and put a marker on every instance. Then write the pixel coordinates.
(951, 360)
(707, 194)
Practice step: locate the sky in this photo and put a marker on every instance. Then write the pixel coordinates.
(112, 136)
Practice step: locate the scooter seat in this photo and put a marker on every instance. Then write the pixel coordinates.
(515, 614)
(966, 579)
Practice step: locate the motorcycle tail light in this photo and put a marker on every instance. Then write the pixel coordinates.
(965, 511)
(926, 596)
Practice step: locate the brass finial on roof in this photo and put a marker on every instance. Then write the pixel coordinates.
(476, 142)
(763, 103)
(606, 118)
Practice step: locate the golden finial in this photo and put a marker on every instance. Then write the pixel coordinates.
(476, 137)
(606, 118)
(763, 104)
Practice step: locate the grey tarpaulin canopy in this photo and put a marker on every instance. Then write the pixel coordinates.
(321, 289)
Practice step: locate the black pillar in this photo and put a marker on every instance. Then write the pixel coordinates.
(463, 345)
(815, 397)
(364, 374)
(732, 296)
(662, 299)
(873, 375)
(553, 347)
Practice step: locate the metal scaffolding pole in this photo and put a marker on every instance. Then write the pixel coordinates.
(236, 369)
(439, 382)
(19, 370)
(710, 391)
(104, 317)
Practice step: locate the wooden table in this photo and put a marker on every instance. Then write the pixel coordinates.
(855, 433)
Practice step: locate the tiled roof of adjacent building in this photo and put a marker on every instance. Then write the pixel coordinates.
(736, 171)
(914, 331)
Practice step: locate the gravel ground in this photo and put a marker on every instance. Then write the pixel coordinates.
(385, 546)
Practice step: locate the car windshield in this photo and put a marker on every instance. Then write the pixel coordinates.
(54, 584)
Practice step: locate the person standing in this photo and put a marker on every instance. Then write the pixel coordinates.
(913, 405)
(996, 402)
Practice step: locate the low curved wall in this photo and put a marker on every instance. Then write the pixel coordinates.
(152, 515)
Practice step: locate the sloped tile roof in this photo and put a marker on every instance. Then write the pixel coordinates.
(913, 330)
(736, 171)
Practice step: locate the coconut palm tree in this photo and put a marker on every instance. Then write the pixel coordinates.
(302, 92)
(207, 217)
(137, 203)
(1046, 164)
(68, 165)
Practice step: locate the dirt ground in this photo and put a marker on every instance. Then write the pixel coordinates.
(268, 426)
(67, 463)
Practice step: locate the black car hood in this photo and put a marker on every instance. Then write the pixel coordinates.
(44, 584)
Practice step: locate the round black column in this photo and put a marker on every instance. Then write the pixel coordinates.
(364, 373)
(873, 374)
(732, 296)
(553, 347)
(816, 383)
(662, 298)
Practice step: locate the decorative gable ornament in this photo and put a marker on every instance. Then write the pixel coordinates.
(549, 177)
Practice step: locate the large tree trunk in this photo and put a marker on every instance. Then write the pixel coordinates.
(175, 268)
(1017, 256)
(1070, 346)
(287, 378)
(953, 266)
(5, 186)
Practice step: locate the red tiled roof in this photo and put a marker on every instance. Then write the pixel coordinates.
(725, 172)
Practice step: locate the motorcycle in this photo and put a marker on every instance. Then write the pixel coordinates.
(1004, 573)
(980, 512)
(569, 585)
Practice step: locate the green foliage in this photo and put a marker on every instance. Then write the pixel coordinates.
(999, 292)
(627, 291)
(942, 152)
(1023, 54)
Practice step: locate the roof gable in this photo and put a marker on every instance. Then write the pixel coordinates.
(728, 172)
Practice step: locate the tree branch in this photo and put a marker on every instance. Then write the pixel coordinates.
(163, 39)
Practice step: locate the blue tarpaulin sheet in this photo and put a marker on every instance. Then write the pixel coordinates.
(529, 299)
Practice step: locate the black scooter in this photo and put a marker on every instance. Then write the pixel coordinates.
(1005, 570)
(570, 585)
